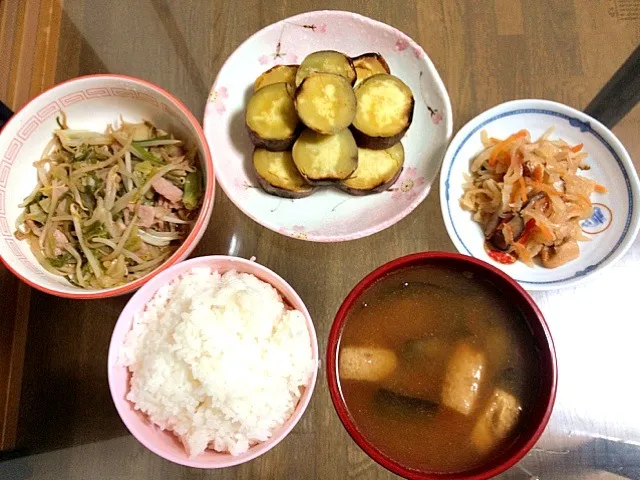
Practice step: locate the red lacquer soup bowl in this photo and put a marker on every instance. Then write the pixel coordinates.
(531, 424)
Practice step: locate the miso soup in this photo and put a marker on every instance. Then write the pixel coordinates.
(437, 369)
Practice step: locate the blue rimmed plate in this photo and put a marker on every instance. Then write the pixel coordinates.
(616, 217)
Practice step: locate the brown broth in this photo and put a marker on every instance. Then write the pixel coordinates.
(442, 306)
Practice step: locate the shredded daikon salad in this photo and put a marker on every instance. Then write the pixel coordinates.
(110, 207)
(529, 198)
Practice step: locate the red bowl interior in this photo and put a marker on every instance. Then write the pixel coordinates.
(514, 293)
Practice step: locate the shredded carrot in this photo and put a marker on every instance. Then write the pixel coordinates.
(538, 173)
(584, 198)
(523, 189)
(503, 146)
(601, 188)
(516, 161)
(528, 229)
(546, 233)
(520, 134)
(514, 193)
(500, 157)
(576, 148)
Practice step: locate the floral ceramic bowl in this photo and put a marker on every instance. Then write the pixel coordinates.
(616, 214)
(328, 215)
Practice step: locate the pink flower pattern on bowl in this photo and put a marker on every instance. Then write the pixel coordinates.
(217, 98)
(436, 116)
(401, 44)
(405, 187)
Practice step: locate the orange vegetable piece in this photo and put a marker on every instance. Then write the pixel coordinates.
(546, 233)
(538, 173)
(577, 148)
(528, 229)
(523, 189)
(501, 257)
(502, 148)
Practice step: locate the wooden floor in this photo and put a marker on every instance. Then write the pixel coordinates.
(487, 51)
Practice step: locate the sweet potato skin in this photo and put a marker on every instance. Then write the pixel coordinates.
(381, 143)
(325, 182)
(379, 58)
(282, 192)
(285, 181)
(383, 187)
(361, 66)
(274, 145)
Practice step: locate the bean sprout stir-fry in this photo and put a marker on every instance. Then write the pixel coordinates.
(110, 207)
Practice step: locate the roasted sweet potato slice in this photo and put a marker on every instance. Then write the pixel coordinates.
(384, 112)
(326, 61)
(277, 74)
(278, 175)
(325, 159)
(326, 103)
(271, 117)
(369, 64)
(377, 170)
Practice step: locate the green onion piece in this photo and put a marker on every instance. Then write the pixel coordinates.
(145, 155)
(192, 190)
(83, 156)
(133, 242)
(61, 261)
(97, 229)
(145, 168)
(158, 141)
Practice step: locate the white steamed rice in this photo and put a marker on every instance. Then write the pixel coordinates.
(217, 359)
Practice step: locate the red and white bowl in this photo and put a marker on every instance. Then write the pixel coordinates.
(90, 103)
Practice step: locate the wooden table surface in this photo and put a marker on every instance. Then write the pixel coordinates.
(487, 52)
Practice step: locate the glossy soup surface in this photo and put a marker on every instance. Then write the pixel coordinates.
(448, 369)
